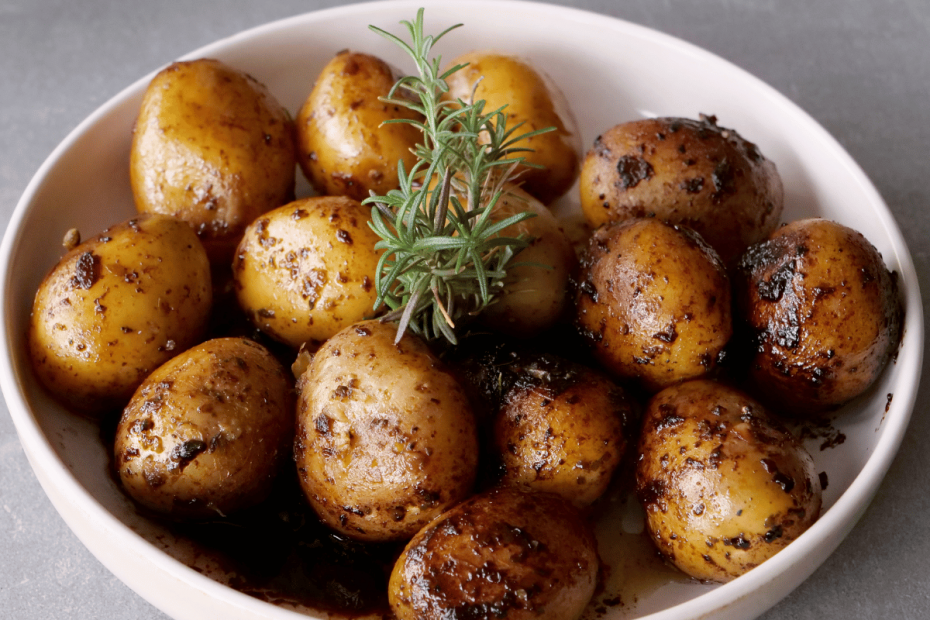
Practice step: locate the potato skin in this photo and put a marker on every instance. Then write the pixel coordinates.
(386, 439)
(504, 553)
(531, 99)
(213, 147)
(306, 270)
(687, 172)
(534, 298)
(116, 307)
(724, 486)
(208, 431)
(562, 428)
(653, 302)
(344, 149)
(824, 313)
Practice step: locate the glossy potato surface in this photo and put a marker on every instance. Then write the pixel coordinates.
(724, 486)
(562, 428)
(212, 146)
(500, 79)
(207, 432)
(501, 554)
(689, 172)
(535, 295)
(653, 302)
(344, 149)
(306, 270)
(116, 307)
(823, 311)
(386, 439)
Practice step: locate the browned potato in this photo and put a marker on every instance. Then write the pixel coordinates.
(724, 486)
(306, 270)
(536, 295)
(687, 172)
(208, 431)
(824, 312)
(531, 99)
(386, 439)
(654, 302)
(116, 307)
(213, 147)
(504, 553)
(562, 428)
(344, 149)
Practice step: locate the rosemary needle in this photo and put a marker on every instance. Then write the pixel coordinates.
(445, 258)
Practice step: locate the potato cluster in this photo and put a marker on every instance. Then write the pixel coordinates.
(604, 369)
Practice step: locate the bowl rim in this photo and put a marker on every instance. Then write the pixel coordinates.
(842, 515)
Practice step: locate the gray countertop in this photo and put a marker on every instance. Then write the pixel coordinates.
(859, 67)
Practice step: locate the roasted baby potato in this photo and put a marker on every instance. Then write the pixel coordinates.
(502, 80)
(535, 295)
(208, 431)
(724, 486)
(386, 439)
(504, 553)
(562, 428)
(213, 147)
(824, 313)
(344, 147)
(306, 270)
(653, 302)
(693, 173)
(116, 307)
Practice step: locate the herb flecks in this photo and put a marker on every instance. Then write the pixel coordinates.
(445, 258)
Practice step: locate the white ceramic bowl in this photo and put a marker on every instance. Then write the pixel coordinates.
(610, 71)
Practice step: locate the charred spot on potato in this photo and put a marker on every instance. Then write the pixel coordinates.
(693, 185)
(86, 271)
(141, 425)
(631, 170)
(774, 534)
(184, 453)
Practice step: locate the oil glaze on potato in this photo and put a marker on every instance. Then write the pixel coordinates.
(724, 486)
(654, 302)
(504, 80)
(824, 313)
(344, 149)
(116, 307)
(501, 554)
(213, 147)
(562, 428)
(306, 270)
(386, 439)
(536, 295)
(687, 172)
(207, 432)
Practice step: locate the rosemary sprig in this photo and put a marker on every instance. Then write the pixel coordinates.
(445, 258)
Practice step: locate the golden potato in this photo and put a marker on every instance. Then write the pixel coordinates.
(386, 439)
(504, 553)
(115, 308)
(208, 431)
(306, 270)
(535, 296)
(724, 486)
(344, 149)
(654, 302)
(693, 173)
(824, 312)
(530, 97)
(213, 147)
(562, 428)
